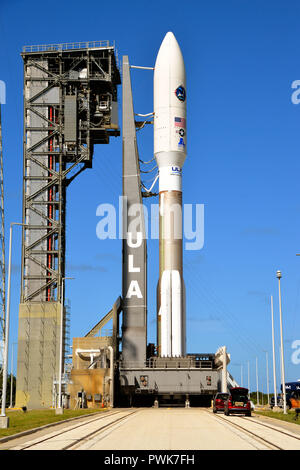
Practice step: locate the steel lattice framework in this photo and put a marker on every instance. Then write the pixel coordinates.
(70, 91)
(70, 104)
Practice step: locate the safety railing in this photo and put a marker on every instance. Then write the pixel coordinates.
(67, 46)
(166, 364)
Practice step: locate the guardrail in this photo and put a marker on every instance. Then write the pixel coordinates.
(67, 46)
(161, 364)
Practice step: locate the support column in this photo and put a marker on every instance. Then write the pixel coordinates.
(38, 353)
(134, 295)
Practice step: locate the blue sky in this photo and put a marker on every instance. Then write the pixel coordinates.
(243, 164)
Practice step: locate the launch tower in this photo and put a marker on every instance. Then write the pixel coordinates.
(70, 105)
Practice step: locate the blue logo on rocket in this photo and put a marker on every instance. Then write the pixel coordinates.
(180, 93)
(181, 144)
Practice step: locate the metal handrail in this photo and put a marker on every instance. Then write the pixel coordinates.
(151, 364)
(67, 46)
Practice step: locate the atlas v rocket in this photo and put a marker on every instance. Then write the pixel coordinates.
(170, 154)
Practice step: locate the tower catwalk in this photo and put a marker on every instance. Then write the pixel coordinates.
(70, 104)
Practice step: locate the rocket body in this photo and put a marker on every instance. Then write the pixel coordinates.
(170, 154)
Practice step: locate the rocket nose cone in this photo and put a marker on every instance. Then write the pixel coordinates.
(168, 41)
(169, 36)
(169, 52)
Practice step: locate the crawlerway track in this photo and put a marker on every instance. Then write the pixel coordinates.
(51, 440)
(257, 430)
(166, 429)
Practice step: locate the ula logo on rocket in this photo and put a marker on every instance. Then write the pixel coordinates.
(176, 170)
(180, 93)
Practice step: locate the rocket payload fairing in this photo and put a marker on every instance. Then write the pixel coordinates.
(170, 154)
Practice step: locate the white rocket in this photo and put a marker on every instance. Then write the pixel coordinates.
(170, 154)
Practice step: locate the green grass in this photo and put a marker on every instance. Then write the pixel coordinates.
(290, 417)
(20, 421)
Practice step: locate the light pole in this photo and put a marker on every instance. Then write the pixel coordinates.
(257, 396)
(242, 375)
(11, 375)
(274, 362)
(4, 421)
(249, 377)
(279, 276)
(59, 409)
(267, 369)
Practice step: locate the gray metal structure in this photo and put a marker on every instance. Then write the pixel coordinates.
(70, 104)
(70, 99)
(134, 329)
(192, 376)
